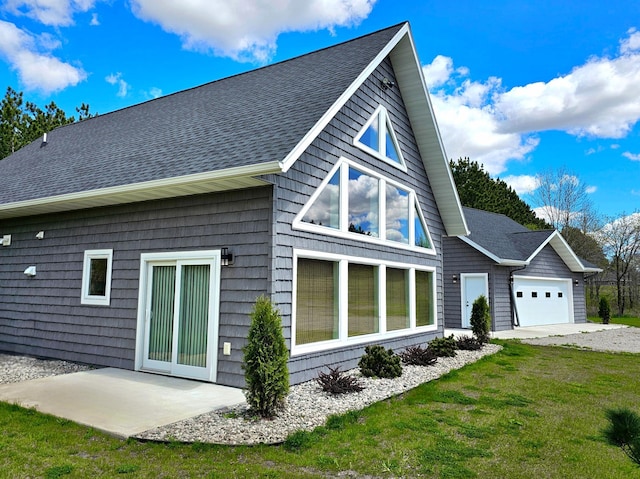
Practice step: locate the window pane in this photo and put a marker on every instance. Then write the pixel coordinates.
(424, 298)
(194, 315)
(363, 203)
(371, 135)
(397, 299)
(161, 318)
(397, 208)
(363, 304)
(420, 231)
(316, 301)
(325, 210)
(98, 277)
(391, 151)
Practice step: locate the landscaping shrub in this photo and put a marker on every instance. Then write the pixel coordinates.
(265, 360)
(443, 347)
(418, 356)
(604, 310)
(468, 343)
(338, 382)
(624, 431)
(381, 363)
(481, 319)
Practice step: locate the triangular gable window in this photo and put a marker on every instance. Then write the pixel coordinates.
(378, 139)
(355, 202)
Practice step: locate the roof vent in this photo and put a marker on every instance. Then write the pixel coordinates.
(44, 139)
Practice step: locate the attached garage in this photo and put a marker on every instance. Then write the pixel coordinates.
(540, 301)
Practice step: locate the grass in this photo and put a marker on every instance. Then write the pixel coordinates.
(628, 320)
(528, 411)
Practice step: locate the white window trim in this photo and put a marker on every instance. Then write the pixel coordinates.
(381, 115)
(343, 336)
(344, 232)
(94, 300)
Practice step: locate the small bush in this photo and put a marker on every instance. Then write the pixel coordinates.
(481, 319)
(338, 382)
(468, 343)
(381, 363)
(418, 356)
(444, 347)
(265, 360)
(624, 431)
(604, 310)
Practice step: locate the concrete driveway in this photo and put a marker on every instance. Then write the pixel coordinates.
(120, 402)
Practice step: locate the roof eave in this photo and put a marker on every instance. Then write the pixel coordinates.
(562, 248)
(208, 182)
(490, 255)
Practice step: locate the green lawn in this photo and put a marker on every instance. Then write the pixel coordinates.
(525, 412)
(628, 320)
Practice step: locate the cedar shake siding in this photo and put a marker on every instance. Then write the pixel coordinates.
(42, 316)
(294, 189)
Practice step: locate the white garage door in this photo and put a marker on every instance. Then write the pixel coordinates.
(543, 301)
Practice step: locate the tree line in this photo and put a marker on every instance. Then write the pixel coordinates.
(610, 243)
(22, 121)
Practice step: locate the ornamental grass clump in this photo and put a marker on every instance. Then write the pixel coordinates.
(418, 356)
(380, 363)
(338, 382)
(265, 361)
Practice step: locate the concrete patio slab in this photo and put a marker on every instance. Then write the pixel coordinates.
(120, 402)
(542, 331)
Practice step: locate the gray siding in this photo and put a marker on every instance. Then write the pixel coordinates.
(294, 189)
(43, 316)
(460, 258)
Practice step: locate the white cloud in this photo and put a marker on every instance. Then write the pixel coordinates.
(116, 79)
(49, 12)
(522, 184)
(493, 125)
(94, 20)
(590, 190)
(155, 92)
(37, 70)
(631, 156)
(243, 29)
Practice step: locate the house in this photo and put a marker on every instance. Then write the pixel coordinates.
(141, 238)
(530, 278)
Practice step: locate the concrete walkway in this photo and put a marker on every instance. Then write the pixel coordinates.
(541, 331)
(120, 402)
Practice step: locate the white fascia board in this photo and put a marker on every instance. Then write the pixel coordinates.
(415, 94)
(311, 135)
(560, 246)
(155, 189)
(490, 255)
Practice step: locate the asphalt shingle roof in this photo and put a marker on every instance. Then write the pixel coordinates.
(248, 119)
(502, 236)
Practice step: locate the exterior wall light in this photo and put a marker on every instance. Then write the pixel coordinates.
(454, 278)
(226, 258)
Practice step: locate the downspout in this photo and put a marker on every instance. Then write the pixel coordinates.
(515, 320)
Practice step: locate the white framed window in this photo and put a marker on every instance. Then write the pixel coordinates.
(340, 300)
(378, 139)
(96, 277)
(356, 202)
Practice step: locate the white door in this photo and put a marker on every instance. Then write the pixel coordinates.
(180, 317)
(473, 286)
(541, 301)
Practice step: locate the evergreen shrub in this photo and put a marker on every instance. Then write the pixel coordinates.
(379, 362)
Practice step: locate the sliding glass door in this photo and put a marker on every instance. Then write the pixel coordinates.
(180, 318)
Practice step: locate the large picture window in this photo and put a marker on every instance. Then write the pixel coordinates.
(96, 277)
(317, 301)
(358, 203)
(342, 300)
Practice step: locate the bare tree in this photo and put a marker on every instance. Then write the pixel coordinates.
(562, 199)
(620, 239)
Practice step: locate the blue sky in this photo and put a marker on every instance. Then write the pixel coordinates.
(520, 86)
